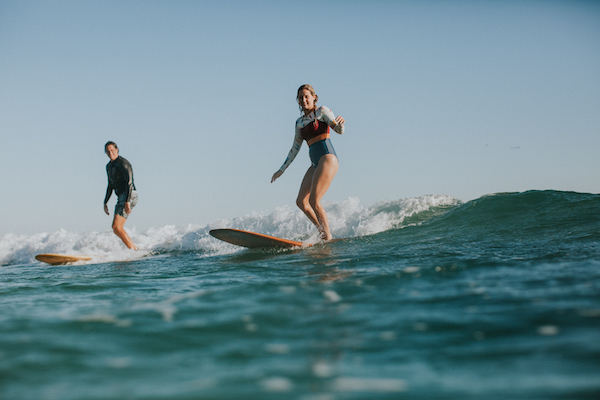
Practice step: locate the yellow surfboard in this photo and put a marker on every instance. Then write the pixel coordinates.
(253, 240)
(58, 259)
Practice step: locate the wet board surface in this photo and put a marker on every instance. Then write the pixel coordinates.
(58, 259)
(253, 240)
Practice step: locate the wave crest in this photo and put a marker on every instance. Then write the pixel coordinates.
(346, 218)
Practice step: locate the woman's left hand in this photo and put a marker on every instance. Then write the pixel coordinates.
(340, 120)
(276, 175)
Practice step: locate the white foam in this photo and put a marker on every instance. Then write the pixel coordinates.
(332, 296)
(347, 219)
(277, 384)
(347, 384)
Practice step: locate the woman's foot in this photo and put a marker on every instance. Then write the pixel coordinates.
(323, 235)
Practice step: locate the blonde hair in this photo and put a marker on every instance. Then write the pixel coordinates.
(311, 90)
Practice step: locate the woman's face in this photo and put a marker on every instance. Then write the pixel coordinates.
(112, 152)
(306, 100)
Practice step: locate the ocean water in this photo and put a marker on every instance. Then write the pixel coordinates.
(426, 298)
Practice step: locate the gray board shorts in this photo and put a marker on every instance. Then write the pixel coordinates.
(120, 207)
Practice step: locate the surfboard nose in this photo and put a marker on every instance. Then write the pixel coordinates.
(253, 240)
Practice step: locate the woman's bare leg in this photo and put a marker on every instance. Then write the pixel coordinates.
(303, 197)
(119, 230)
(321, 180)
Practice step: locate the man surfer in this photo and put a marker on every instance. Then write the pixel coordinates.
(120, 179)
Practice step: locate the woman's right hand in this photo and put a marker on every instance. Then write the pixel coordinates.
(106, 209)
(276, 175)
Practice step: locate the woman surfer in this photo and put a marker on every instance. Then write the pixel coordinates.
(313, 126)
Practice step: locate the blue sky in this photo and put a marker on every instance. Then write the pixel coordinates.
(463, 98)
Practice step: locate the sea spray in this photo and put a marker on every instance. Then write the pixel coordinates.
(347, 219)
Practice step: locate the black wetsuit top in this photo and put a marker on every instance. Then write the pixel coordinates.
(120, 178)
